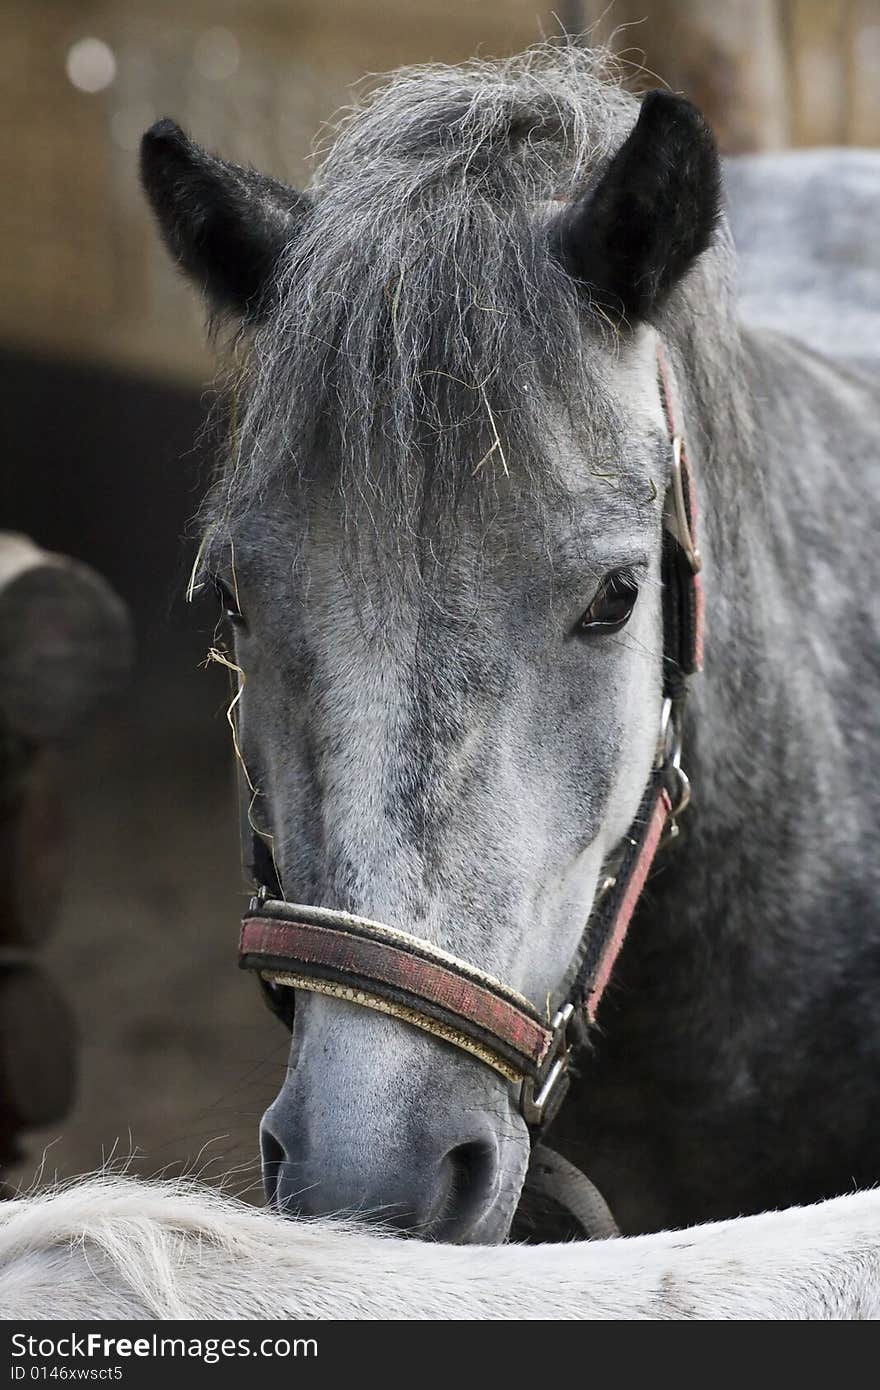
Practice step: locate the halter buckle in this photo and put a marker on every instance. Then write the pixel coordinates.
(669, 749)
(539, 1108)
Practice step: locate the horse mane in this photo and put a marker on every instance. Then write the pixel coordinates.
(422, 332)
(110, 1247)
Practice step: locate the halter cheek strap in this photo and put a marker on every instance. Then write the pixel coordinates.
(299, 947)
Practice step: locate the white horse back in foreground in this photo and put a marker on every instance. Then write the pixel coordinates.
(118, 1248)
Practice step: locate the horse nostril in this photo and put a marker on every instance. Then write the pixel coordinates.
(273, 1156)
(473, 1171)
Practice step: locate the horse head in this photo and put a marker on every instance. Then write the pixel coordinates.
(437, 537)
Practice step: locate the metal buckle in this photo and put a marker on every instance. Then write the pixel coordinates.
(664, 738)
(669, 747)
(259, 898)
(675, 512)
(539, 1109)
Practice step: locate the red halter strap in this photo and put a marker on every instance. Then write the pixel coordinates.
(319, 950)
(368, 963)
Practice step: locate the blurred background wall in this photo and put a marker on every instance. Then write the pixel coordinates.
(105, 381)
(80, 269)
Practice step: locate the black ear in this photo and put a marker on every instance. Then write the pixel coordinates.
(226, 226)
(633, 235)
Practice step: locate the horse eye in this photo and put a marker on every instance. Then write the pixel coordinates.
(227, 600)
(611, 608)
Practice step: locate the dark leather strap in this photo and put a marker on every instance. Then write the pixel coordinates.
(682, 657)
(618, 896)
(683, 610)
(353, 957)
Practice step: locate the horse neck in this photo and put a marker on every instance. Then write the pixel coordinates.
(740, 718)
(780, 456)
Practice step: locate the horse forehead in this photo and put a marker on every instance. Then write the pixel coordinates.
(311, 549)
(305, 519)
(381, 641)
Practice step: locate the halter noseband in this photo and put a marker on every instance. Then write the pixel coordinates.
(334, 953)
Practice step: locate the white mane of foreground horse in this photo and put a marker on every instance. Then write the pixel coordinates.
(112, 1247)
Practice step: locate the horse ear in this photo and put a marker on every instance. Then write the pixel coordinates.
(633, 235)
(224, 225)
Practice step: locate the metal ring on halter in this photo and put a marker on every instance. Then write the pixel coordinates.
(674, 764)
(539, 1107)
(679, 520)
(669, 750)
(684, 791)
(663, 736)
(670, 739)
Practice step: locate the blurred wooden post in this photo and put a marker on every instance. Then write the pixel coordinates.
(64, 641)
(767, 73)
(819, 71)
(65, 647)
(32, 845)
(863, 73)
(728, 58)
(37, 1052)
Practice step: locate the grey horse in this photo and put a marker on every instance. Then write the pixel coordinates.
(436, 533)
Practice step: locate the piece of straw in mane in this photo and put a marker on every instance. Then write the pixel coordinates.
(422, 326)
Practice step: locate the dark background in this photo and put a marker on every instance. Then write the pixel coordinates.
(177, 1057)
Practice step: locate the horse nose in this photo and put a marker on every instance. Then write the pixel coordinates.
(437, 1190)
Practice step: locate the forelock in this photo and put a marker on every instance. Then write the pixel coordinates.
(423, 333)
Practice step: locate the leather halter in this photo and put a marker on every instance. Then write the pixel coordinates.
(327, 952)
